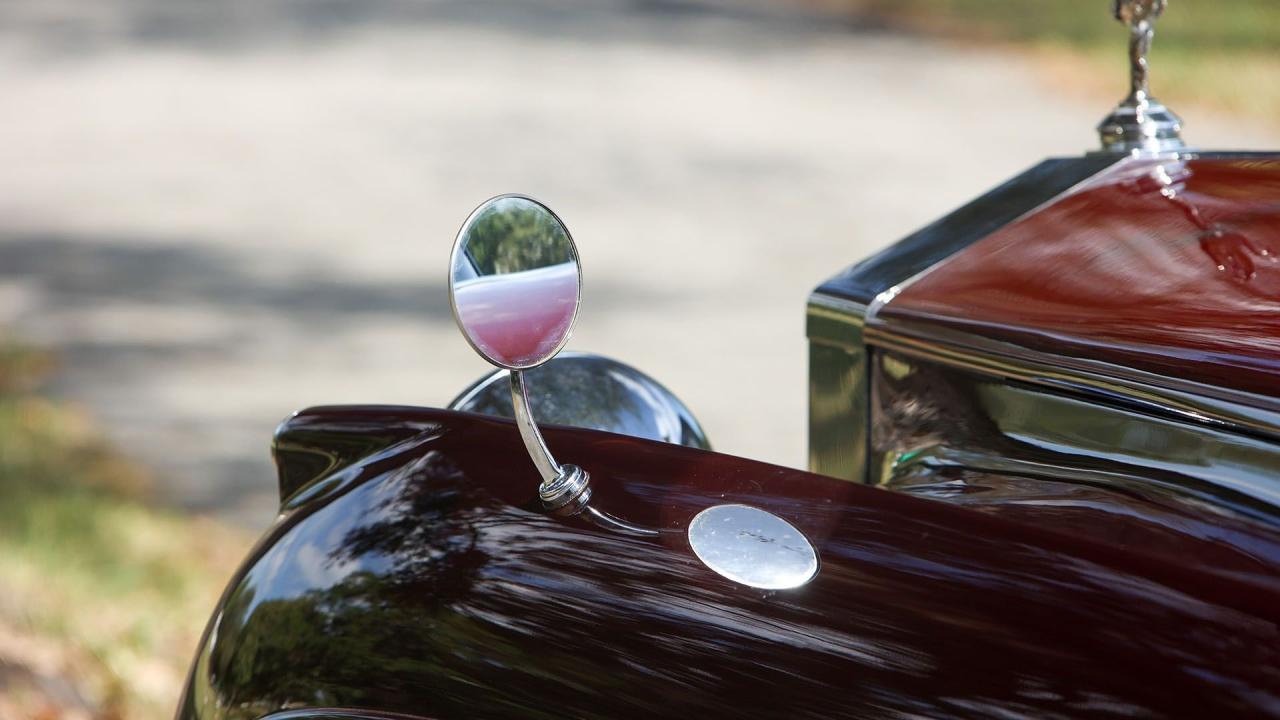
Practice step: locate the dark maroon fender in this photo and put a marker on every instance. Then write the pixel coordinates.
(422, 578)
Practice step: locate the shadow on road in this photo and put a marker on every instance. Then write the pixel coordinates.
(69, 29)
(84, 271)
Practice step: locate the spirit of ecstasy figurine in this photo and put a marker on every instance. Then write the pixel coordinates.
(1140, 16)
(1140, 123)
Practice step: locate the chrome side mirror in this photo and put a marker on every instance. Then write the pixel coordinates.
(515, 283)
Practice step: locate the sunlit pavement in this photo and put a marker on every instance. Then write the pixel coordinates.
(222, 212)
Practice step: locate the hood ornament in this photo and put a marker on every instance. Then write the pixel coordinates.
(1140, 123)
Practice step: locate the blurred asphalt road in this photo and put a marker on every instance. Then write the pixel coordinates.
(222, 211)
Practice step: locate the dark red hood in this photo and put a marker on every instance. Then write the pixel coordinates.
(1167, 266)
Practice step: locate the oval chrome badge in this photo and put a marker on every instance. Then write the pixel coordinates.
(752, 547)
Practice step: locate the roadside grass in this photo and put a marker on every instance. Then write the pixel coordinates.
(1219, 56)
(102, 597)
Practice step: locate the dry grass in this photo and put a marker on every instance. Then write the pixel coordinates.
(102, 597)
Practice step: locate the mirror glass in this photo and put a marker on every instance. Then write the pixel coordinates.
(515, 282)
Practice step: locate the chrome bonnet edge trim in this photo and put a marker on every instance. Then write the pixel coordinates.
(838, 381)
(1106, 382)
(835, 320)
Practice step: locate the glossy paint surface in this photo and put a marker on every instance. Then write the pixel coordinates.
(1168, 267)
(425, 580)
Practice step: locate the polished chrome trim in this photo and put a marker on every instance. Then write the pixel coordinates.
(568, 493)
(838, 403)
(609, 522)
(752, 547)
(1144, 127)
(839, 309)
(453, 302)
(1107, 382)
(564, 488)
(547, 466)
(932, 418)
(1252, 500)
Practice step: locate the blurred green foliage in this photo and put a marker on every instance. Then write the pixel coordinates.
(514, 234)
(1219, 54)
(1235, 26)
(117, 589)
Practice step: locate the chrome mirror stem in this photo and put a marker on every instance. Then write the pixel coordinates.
(565, 488)
(609, 522)
(547, 466)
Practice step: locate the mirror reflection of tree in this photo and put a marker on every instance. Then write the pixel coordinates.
(514, 234)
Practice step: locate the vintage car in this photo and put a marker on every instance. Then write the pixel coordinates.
(1044, 482)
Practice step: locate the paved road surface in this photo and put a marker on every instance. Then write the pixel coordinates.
(221, 212)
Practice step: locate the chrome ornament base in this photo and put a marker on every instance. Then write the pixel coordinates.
(1141, 126)
(1140, 123)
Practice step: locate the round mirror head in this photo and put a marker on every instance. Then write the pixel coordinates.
(515, 282)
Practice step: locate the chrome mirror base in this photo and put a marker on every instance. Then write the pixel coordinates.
(1142, 126)
(567, 494)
